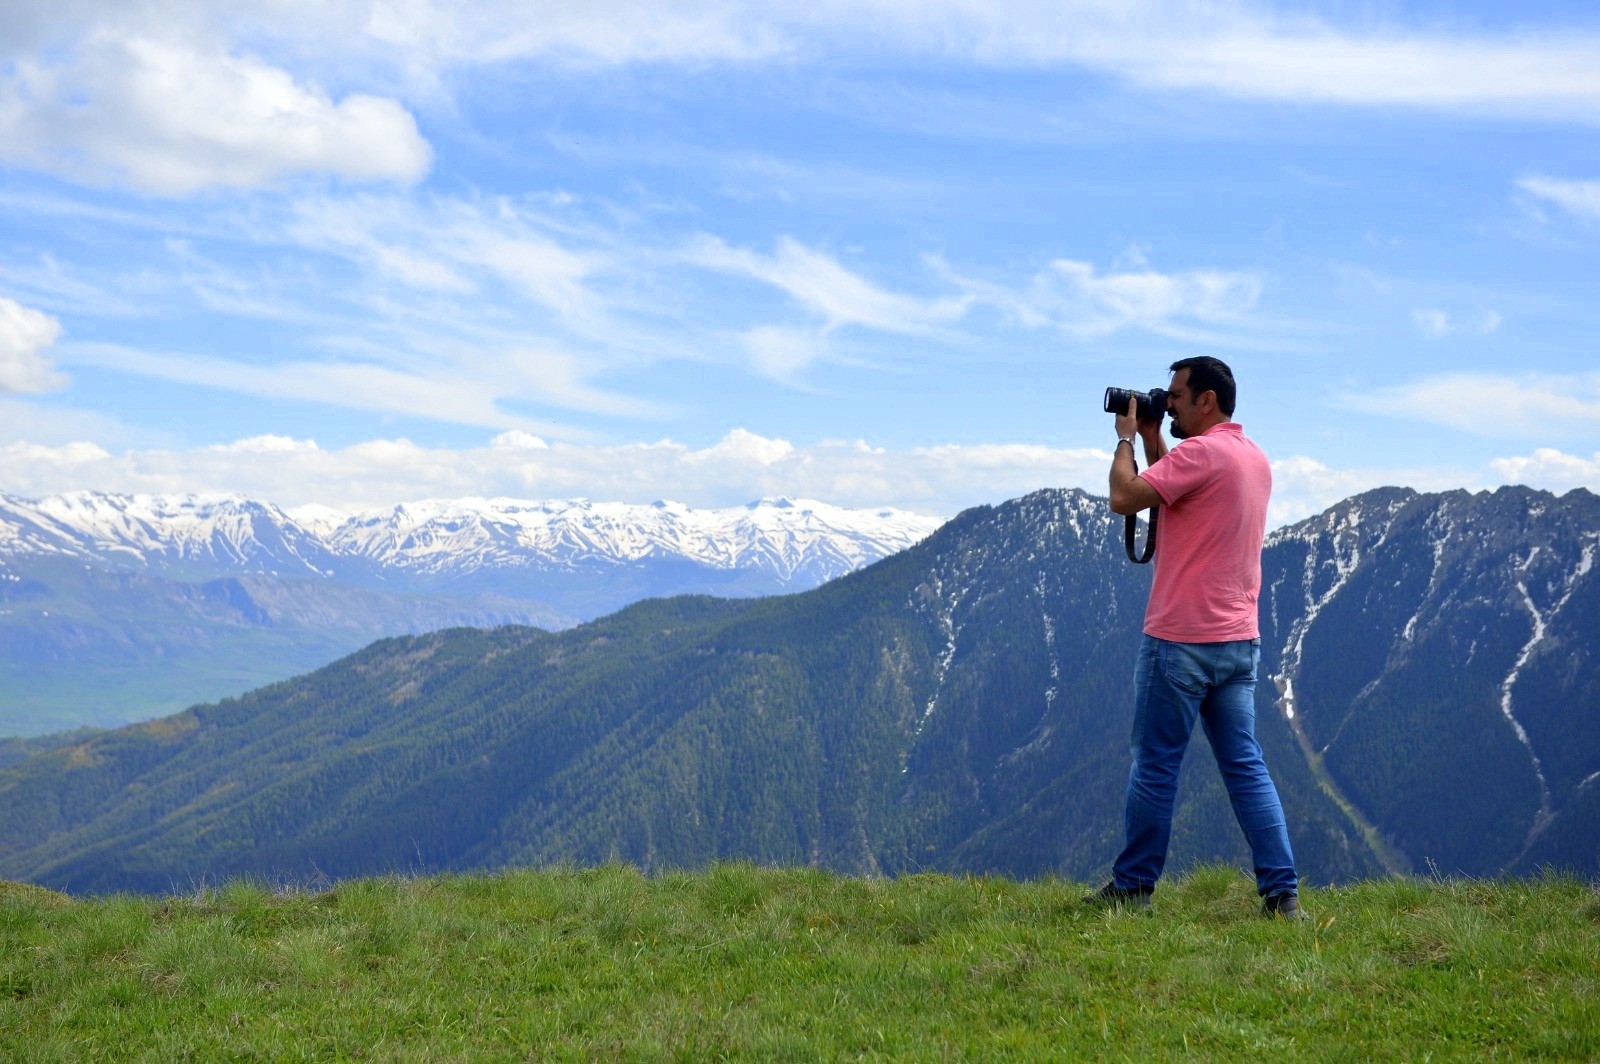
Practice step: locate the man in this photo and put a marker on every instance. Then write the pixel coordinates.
(1201, 642)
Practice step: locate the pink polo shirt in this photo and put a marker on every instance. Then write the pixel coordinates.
(1214, 488)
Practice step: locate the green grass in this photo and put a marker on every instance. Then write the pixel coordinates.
(790, 964)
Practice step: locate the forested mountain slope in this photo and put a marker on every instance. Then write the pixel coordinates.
(1428, 695)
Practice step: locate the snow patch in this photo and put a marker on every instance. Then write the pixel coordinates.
(1585, 563)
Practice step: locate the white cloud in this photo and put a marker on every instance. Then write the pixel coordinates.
(1075, 298)
(1551, 470)
(1303, 487)
(1581, 198)
(1491, 404)
(172, 95)
(1432, 321)
(25, 419)
(1069, 295)
(780, 354)
(1225, 46)
(517, 440)
(1438, 324)
(436, 393)
(24, 335)
(823, 286)
(743, 447)
(1083, 300)
(1234, 48)
(738, 468)
(451, 246)
(1302, 59)
(600, 31)
(77, 453)
(462, 309)
(171, 112)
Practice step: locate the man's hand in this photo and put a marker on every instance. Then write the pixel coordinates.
(1128, 425)
(1130, 492)
(1150, 429)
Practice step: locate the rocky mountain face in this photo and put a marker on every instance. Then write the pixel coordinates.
(117, 607)
(1436, 660)
(1429, 701)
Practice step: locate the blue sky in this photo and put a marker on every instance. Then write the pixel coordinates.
(355, 252)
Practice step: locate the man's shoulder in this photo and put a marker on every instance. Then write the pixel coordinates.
(1222, 431)
(1223, 437)
(1218, 456)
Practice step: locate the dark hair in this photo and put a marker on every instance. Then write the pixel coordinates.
(1207, 374)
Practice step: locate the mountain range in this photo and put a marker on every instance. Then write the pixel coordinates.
(116, 608)
(1428, 701)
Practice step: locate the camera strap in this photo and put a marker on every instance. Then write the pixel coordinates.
(1130, 525)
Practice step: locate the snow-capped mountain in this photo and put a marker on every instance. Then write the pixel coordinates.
(176, 534)
(119, 607)
(791, 543)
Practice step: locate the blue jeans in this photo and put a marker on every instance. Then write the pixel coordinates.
(1173, 684)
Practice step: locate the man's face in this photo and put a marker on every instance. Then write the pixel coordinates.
(1181, 406)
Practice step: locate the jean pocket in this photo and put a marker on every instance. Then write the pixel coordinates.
(1185, 667)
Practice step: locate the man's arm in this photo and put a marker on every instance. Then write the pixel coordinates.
(1131, 493)
(1155, 444)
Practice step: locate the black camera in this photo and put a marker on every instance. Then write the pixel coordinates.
(1152, 405)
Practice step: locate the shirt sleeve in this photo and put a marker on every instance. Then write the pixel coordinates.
(1178, 472)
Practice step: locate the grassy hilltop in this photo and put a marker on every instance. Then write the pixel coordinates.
(745, 962)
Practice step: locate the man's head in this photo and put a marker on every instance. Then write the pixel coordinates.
(1201, 395)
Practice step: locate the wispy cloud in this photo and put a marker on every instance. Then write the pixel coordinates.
(604, 32)
(1231, 47)
(1493, 405)
(825, 287)
(1069, 295)
(439, 395)
(1439, 324)
(1581, 198)
(460, 309)
(1247, 54)
(781, 354)
(451, 246)
(1077, 299)
(1234, 48)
